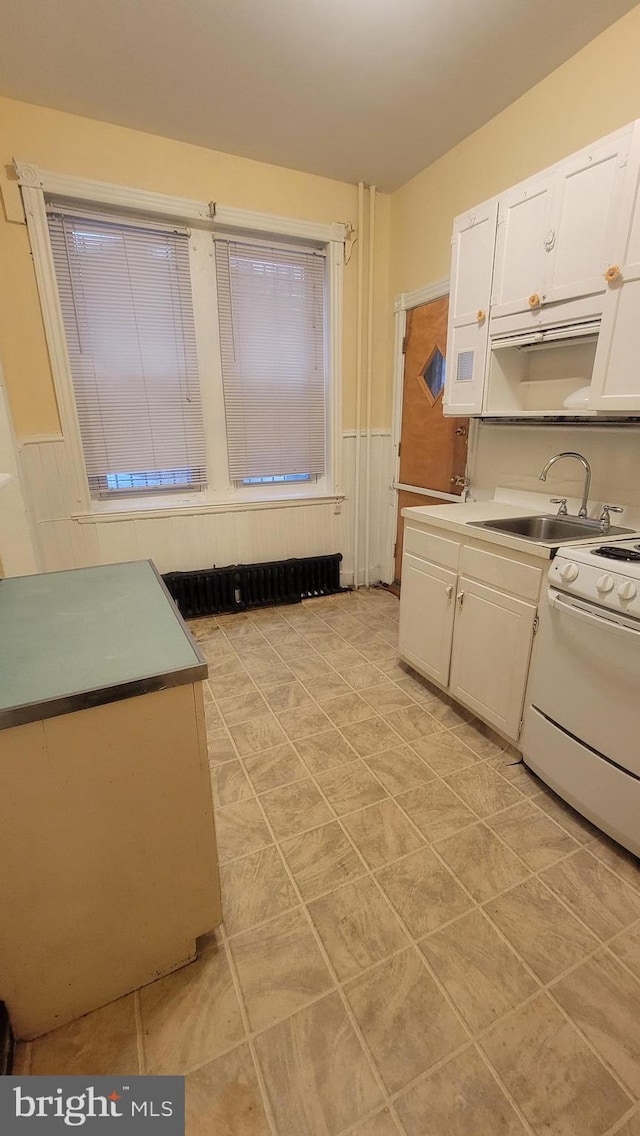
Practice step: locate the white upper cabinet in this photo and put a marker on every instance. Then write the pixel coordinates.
(589, 225)
(524, 230)
(473, 245)
(549, 255)
(615, 385)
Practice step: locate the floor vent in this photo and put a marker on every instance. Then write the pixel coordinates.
(216, 591)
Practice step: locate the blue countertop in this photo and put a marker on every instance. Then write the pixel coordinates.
(71, 640)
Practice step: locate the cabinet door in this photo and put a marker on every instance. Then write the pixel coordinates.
(426, 617)
(491, 649)
(615, 384)
(590, 219)
(524, 225)
(473, 245)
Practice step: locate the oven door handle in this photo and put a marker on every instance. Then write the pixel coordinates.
(587, 615)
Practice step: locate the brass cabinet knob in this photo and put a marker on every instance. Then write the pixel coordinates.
(480, 315)
(534, 300)
(612, 273)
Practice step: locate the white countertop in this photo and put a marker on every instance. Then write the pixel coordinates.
(456, 518)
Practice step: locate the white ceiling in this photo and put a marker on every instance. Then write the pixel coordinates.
(352, 89)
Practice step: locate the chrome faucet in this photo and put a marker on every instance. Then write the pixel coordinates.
(582, 512)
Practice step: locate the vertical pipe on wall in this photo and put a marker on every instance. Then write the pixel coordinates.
(359, 312)
(370, 290)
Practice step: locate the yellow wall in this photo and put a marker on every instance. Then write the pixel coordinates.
(595, 92)
(73, 145)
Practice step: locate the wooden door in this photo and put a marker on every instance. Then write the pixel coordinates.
(433, 449)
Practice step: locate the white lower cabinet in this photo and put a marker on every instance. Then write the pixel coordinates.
(471, 637)
(490, 657)
(426, 617)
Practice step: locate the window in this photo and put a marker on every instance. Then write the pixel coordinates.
(271, 303)
(196, 349)
(125, 295)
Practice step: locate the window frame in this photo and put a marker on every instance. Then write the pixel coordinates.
(203, 221)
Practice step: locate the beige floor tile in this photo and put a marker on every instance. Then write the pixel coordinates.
(484, 790)
(598, 897)
(287, 697)
(483, 864)
(256, 662)
(404, 1018)
(632, 1127)
(98, 1044)
(379, 649)
(348, 708)
(357, 927)
(254, 889)
(462, 1098)
(329, 686)
(603, 1000)
(387, 697)
(282, 635)
(223, 1098)
(399, 769)
(436, 810)
(382, 833)
(217, 648)
(274, 767)
(382, 1124)
(268, 677)
(445, 753)
(626, 947)
(541, 929)
(512, 767)
(366, 675)
(258, 734)
(553, 1076)
(293, 808)
(229, 783)
(321, 860)
(241, 707)
(620, 861)
(317, 1076)
(350, 787)
(480, 738)
(412, 722)
(327, 642)
(537, 839)
(577, 826)
(192, 1015)
(325, 751)
(220, 747)
(280, 968)
(212, 716)
(242, 631)
(304, 721)
(371, 736)
(310, 667)
(481, 974)
(343, 659)
(240, 829)
(423, 892)
(447, 712)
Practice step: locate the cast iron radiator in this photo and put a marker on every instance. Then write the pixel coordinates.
(214, 591)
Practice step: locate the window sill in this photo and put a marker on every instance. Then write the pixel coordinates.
(121, 512)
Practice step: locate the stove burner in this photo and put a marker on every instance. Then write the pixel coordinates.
(614, 552)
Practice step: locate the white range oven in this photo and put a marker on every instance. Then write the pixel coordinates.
(581, 730)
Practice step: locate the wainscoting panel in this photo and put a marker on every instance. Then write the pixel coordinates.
(200, 540)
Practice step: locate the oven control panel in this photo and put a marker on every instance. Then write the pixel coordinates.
(612, 584)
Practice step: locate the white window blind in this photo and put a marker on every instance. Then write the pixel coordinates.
(271, 305)
(125, 292)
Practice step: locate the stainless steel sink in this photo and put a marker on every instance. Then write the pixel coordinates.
(549, 528)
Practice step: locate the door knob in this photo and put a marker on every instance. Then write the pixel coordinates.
(534, 300)
(461, 431)
(612, 273)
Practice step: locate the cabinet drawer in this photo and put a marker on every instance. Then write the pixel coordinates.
(437, 549)
(502, 572)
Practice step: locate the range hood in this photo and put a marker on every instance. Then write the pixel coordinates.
(537, 340)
